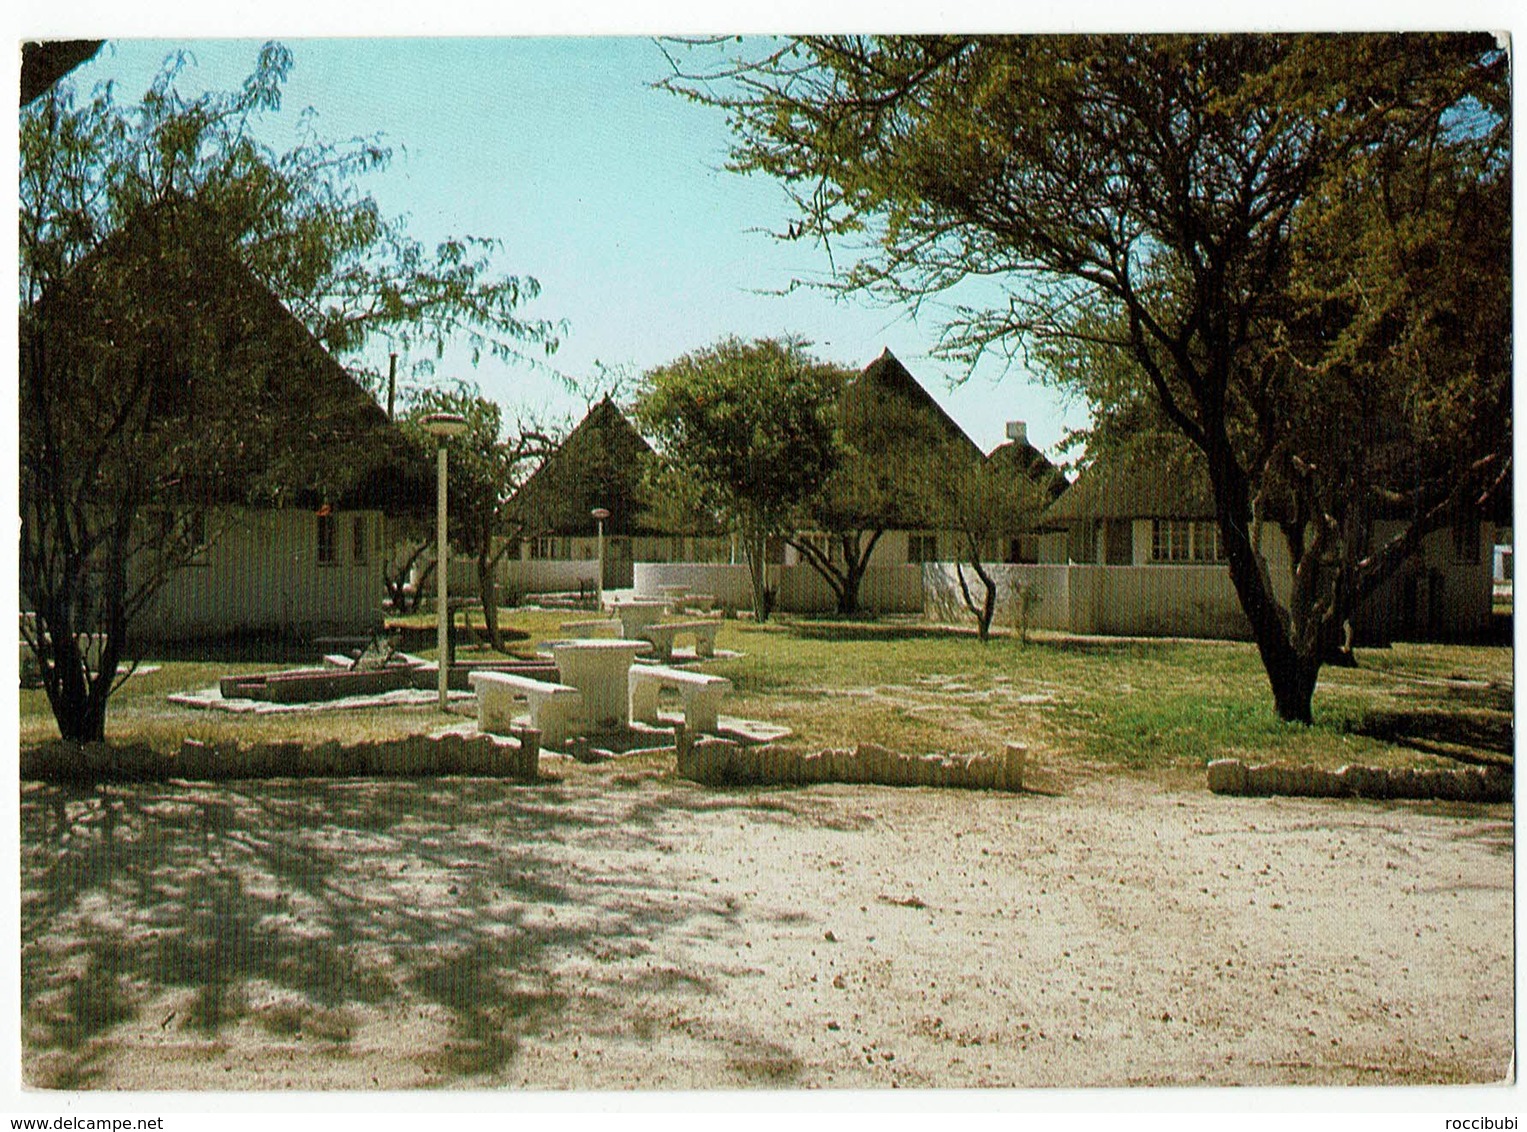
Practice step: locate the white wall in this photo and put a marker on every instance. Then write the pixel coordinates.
(1434, 596)
(891, 548)
(1049, 586)
(261, 574)
(884, 589)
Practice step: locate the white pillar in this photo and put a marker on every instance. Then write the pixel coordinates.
(599, 583)
(442, 585)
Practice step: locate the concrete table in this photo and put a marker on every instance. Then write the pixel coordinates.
(598, 669)
(637, 614)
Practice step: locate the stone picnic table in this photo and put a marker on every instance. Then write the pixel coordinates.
(638, 613)
(598, 669)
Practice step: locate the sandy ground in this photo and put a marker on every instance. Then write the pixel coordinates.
(620, 929)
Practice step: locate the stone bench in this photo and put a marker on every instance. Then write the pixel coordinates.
(694, 603)
(700, 692)
(662, 634)
(592, 627)
(556, 710)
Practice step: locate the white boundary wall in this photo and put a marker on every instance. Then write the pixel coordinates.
(1177, 600)
(885, 589)
(525, 576)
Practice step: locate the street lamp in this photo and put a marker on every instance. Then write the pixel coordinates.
(442, 426)
(600, 515)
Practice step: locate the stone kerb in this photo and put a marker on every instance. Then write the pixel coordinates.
(1484, 784)
(722, 762)
(418, 756)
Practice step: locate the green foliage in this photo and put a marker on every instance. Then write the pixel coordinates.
(484, 467)
(985, 502)
(300, 223)
(164, 250)
(751, 425)
(747, 434)
(1288, 251)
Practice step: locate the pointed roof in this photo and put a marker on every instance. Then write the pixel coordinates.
(312, 433)
(885, 399)
(1022, 458)
(600, 464)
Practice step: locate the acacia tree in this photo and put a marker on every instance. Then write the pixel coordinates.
(485, 466)
(984, 502)
(747, 436)
(1297, 247)
(164, 253)
(888, 447)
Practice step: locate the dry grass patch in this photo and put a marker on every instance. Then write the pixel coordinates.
(1152, 706)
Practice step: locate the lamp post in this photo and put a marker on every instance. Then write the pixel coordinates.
(600, 515)
(442, 426)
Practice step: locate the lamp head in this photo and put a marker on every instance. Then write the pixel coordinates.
(444, 425)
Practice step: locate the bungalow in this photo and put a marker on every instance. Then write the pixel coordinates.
(600, 466)
(1132, 548)
(1020, 458)
(319, 456)
(886, 411)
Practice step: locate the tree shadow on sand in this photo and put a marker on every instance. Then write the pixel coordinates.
(1471, 722)
(294, 905)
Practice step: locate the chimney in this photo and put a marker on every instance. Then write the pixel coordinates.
(1017, 432)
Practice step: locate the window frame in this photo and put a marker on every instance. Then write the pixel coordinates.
(922, 548)
(326, 549)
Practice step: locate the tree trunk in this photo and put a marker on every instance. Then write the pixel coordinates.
(988, 607)
(844, 583)
(77, 696)
(397, 583)
(1291, 675)
(763, 599)
(81, 716)
(487, 586)
(487, 591)
(856, 560)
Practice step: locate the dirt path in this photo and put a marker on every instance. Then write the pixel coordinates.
(622, 929)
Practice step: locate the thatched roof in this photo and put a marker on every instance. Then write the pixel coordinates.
(886, 400)
(313, 434)
(1022, 458)
(1139, 484)
(44, 62)
(600, 464)
(603, 460)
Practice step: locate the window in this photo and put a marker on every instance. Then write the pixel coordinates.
(1083, 543)
(1171, 540)
(1119, 542)
(1023, 549)
(818, 543)
(1466, 542)
(1206, 547)
(184, 535)
(196, 533)
(326, 538)
(922, 548)
(358, 540)
(1181, 540)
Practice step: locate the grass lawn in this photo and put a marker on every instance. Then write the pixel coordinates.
(1165, 705)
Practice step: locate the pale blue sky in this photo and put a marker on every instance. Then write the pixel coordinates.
(608, 192)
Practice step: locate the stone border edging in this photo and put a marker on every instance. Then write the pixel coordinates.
(417, 756)
(721, 762)
(1485, 784)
